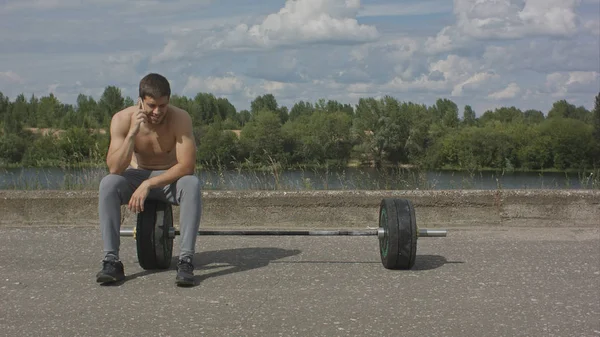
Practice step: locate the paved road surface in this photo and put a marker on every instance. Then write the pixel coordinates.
(475, 282)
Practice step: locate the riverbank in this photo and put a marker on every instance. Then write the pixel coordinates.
(351, 164)
(308, 179)
(327, 209)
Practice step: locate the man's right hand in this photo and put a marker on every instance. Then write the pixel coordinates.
(137, 118)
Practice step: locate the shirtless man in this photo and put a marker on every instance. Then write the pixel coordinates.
(152, 154)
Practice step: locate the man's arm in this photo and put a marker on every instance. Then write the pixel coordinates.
(185, 150)
(121, 145)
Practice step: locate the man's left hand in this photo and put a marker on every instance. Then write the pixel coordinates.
(136, 203)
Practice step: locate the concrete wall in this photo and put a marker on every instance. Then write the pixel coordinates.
(326, 209)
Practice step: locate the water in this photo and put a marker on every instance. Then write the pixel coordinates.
(350, 178)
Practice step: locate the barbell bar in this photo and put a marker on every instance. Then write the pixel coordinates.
(380, 232)
(397, 234)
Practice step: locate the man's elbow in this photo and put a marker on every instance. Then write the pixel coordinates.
(115, 171)
(113, 168)
(189, 168)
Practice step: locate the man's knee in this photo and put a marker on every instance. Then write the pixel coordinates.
(111, 182)
(189, 189)
(190, 183)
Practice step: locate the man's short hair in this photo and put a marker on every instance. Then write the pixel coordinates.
(155, 86)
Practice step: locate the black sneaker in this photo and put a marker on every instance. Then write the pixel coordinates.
(112, 271)
(185, 272)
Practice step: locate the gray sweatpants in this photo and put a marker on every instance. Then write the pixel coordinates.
(117, 189)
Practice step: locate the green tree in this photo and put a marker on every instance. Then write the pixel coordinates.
(321, 138)
(15, 116)
(533, 116)
(80, 146)
(504, 115)
(445, 112)
(469, 117)
(206, 107)
(226, 109)
(32, 112)
(4, 106)
(596, 123)
(265, 102)
(128, 101)
(419, 138)
(244, 117)
(564, 109)
(261, 138)
(383, 128)
(571, 142)
(110, 103)
(534, 149)
(184, 103)
(301, 108)
(86, 112)
(597, 118)
(50, 112)
(12, 148)
(217, 148)
(44, 151)
(370, 114)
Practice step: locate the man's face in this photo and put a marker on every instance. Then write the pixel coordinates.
(155, 109)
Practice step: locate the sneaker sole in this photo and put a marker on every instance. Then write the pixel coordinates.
(184, 283)
(108, 279)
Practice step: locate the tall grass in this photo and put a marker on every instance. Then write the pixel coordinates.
(88, 178)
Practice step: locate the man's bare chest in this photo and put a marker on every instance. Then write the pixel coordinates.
(154, 143)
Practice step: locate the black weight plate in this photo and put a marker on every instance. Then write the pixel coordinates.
(398, 247)
(407, 227)
(154, 246)
(388, 244)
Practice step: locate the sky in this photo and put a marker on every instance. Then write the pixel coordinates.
(483, 53)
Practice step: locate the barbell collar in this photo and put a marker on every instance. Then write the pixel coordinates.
(433, 233)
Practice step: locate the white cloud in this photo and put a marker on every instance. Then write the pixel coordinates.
(302, 22)
(505, 19)
(403, 8)
(421, 84)
(362, 88)
(118, 7)
(11, 77)
(593, 26)
(184, 27)
(454, 67)
(274, 86)
(511, 91)
(552, 17)
(52, 88)
(571, 82)
(225, 85)
(582, 77)
(472, 82)
(375, 60)
(172, 51)
(451, 75)
(543, 55)
(510, 19)
(16, 5)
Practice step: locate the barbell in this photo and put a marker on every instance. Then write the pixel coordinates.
(397, 234)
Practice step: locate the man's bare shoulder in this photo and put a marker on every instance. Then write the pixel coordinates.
(121, 120)
(125, 113)
(180, 117)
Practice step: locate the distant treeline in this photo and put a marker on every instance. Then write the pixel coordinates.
(326, 133)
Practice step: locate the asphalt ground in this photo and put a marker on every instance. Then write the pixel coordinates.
(475, 282)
